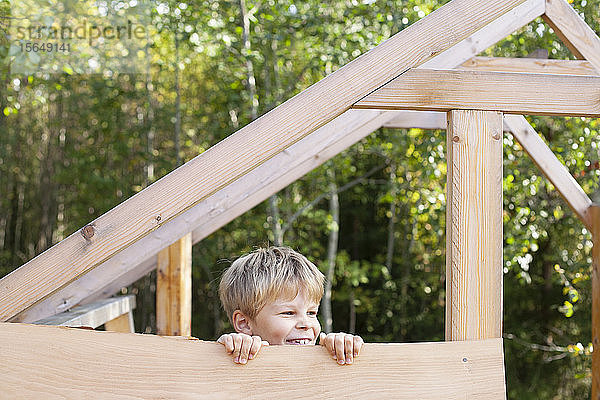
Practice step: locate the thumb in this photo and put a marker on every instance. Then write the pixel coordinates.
(265, 343)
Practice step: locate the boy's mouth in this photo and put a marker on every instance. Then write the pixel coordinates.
(297, 341)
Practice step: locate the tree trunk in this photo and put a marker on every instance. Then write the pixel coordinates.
(390, 239)
(177, 104)
(332, 248)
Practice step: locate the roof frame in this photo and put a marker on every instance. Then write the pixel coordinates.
(255, 143)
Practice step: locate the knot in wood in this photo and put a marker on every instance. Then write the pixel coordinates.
(87, 232)
(455, 139)
(496, 136)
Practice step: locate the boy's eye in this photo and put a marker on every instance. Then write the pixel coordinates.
(312, 313)
(288, 313)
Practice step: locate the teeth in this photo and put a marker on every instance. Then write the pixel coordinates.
(299, 341)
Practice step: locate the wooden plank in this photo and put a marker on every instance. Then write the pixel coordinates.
(474, 225)
(444, 90)
(487, 36)
(573, 31)
(176, 368)
(530, 65)
(241, 152)
(93, 315)
(595, 220)
(174, 289)
(214, 212)
(407, 119)
(550, 166)
(123, 323)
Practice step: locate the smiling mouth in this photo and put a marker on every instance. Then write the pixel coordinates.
(297, 341)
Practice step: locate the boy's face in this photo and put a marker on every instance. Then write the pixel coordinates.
(288, 321)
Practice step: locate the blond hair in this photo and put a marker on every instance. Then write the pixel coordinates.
(267, 274)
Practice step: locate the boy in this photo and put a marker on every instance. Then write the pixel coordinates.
(272, 296)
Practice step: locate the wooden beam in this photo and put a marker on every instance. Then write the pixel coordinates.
(214, 212)
(474, 225)
(174, 289)
(93, 315)
(530, 65)
(487, 36)
(550, 166)
(177, 368)
(443, 90)
(595, 219)
(123, 323)
(573, 31)
(241, 152)
(407, 119)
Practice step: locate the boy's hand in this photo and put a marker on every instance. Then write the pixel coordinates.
(243, 347)
(343, 347)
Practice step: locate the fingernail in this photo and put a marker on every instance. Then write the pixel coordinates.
(348, 360)
(341, 361)
(243, 361)
(250, 356)
(355, 354)
(237, 359)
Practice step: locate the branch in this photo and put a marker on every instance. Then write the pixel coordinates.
(322, 196)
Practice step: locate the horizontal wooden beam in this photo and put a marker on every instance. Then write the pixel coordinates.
(241, 152)
(444, 90)
(407, 119)
(80, 362)
(93, 315)
(530, 65)
(573, 31)
(550, 166)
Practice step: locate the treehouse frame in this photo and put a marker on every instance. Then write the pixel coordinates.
(426, 76)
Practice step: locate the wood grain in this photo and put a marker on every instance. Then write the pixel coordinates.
(550, 166)
(243, 151)
(123, 323)
(174, 288)
(530, 65)
(573, 31)
(65, 363)
(517, 93)
(474, 225)
(94, 314)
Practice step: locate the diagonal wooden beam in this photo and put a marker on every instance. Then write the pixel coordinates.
(177, 368)
(226, 204)
(530, 65)
(444, 90)
(214, 212)
(550, 166)
(573, 31)
(241, 152)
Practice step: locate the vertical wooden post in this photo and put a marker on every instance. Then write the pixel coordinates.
(474, 225)
(123, 323)
(174, 289)
(594, 211)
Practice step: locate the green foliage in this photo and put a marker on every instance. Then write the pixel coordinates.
(73, 146)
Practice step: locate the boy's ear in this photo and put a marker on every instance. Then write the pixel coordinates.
(241, 323)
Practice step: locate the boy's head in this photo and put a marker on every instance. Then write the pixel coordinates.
(273, 292)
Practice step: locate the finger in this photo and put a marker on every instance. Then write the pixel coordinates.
(349, 348)
(246, 344)
(237, 345)
(322, 338)
(255, 347)
(358, 343)
(329, 343)
(339, 348)
(226, 341)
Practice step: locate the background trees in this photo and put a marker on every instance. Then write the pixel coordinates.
(72, 146)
